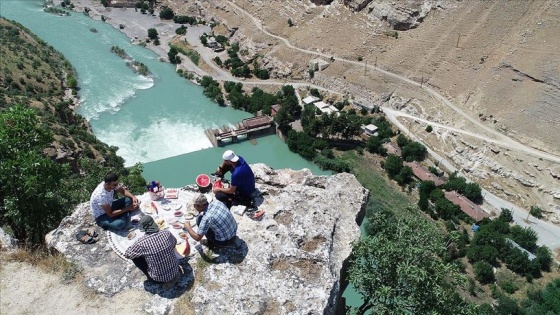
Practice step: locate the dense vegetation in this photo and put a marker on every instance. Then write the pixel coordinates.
(35, 118)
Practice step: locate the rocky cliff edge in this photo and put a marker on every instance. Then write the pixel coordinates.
(288, 263)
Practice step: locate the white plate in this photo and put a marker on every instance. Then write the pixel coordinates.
(178, 206)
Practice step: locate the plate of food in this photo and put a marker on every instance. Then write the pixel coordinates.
(166, 207)
(177, 206)
(177, 226)
(147, 208)
(172, 220)
(171, 193)
(131, 235)
(183, 235)
(161, 223)
(189, 215)
(178, 213)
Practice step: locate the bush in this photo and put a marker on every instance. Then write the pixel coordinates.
(429, 128)
(484, 272)
(290, 23)
(181, 30)
(152, 33)
(166, 14)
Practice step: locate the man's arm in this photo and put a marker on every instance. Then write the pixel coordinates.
(197, 237)
(115, 213)
(230, 190)
(128, 194)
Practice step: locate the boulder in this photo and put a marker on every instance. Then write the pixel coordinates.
(289, 261)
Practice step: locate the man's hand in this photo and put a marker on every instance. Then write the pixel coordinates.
(187, 225)
(216, 189)
(135, 203)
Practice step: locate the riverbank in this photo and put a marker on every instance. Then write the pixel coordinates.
(136, 27)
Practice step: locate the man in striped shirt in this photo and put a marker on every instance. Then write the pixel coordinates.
(215, 221)
(154, 253)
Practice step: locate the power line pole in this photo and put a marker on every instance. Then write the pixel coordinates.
(376, 62)
(365, 68)
(458, 37)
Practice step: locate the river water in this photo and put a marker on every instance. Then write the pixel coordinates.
(158, 121)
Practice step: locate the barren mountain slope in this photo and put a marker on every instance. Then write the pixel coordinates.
(497, 61)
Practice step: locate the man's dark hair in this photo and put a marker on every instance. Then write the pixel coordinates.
(111, 177)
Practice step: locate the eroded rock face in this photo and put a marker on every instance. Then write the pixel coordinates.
(290, 261)
(400, 15)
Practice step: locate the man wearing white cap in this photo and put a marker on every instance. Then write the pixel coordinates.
(242, 179)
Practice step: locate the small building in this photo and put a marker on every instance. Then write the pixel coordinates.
(321, 104)
(274, 109)
(318, 64)
(424, 174)
(370, 130)
(325, 108)
(467, 206)
(310, 99)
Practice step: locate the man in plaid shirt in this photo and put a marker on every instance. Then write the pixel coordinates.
(215, 221)
(154, 253)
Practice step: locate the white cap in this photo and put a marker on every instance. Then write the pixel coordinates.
(230, 156)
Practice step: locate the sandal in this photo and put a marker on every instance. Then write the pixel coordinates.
(257, 216)
(85, 238)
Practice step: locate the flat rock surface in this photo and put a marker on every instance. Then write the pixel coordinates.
(289, 262)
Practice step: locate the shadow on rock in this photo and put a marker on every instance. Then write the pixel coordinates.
(233, 254)
(184, 283)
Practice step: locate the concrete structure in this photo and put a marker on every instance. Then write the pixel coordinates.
(310, 99)
(467, 206)
(325, 108)
(247, 128)
(424, 174)
(370, 130)
(318, 64)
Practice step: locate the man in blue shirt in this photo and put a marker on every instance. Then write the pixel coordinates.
(242, 180)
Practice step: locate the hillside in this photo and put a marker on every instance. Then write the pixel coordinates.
(494, 62)
(35, 75)
(37, 193)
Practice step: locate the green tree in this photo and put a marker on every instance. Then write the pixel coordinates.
(393, 165)
(414, 151)
(152, 33)
(524, 237)
(392, 269)
(484, 272)
(166, 14)
(71, 81)
(506, 215)
(30, 181)
(544, 257)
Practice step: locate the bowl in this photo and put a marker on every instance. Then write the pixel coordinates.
(172, 220)
(178, 213)
(183, 235)
(131, 235)
(178, 206)
(177, 225)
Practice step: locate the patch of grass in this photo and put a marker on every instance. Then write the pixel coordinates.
(41, 258)
(383, 191)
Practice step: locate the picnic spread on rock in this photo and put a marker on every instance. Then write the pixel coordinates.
(161, 226)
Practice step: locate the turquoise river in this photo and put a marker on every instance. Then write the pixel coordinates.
(157, 121)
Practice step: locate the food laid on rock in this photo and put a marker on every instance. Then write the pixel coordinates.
(171, 193)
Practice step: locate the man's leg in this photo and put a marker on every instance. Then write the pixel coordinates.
(141, 263)
(121, 221)
(116, 223)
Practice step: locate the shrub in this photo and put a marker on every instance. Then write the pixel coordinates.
(429, 128)
(290, 23)
(166, 14)
(181, 30)
(484, 272)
